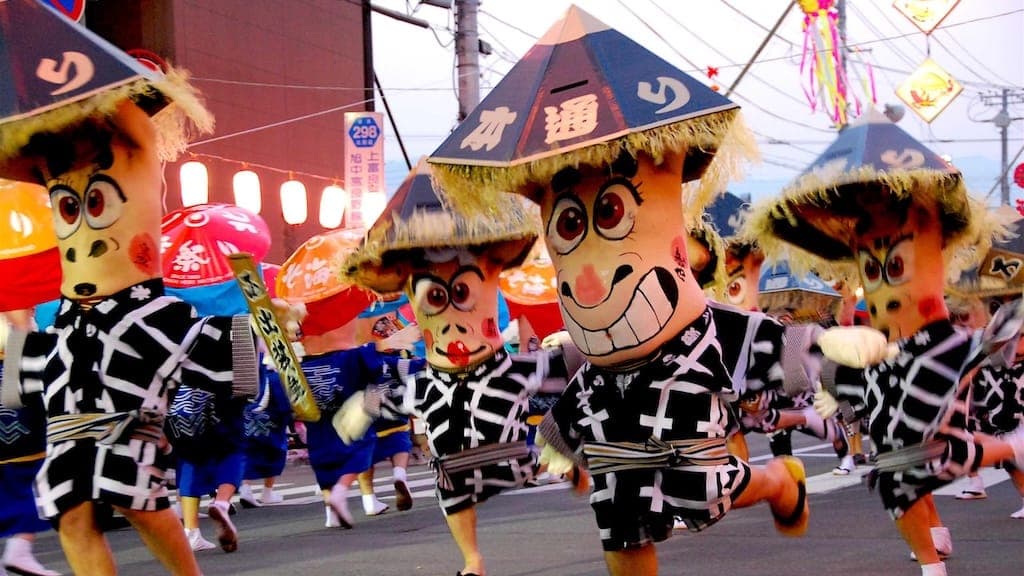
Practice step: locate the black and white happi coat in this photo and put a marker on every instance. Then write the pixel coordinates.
(683, 393)
(121, 357)
(997, 399)
(912, 399)
(757, 367)
(486, 405)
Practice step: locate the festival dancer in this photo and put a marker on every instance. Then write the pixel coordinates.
(22, 449)
(394, 437)
(473, 396)
(337, 369)
(119, 347)
(880, 202)
(998, 407)
(603, 145)
(208, 436)
(267, 419)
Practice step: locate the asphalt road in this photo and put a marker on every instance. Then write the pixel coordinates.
(548, 531)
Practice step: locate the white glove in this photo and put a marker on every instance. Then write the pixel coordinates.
(556, 463)
(825, 404)
(404, 339)
(289, 315)
(555, 340)
(854, 346)
(351, 422)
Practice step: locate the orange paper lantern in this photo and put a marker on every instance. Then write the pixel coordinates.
(312, 275)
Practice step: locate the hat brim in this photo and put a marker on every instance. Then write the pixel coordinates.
(717, 146)
(813, 222)
(389, 254)
(173, 104)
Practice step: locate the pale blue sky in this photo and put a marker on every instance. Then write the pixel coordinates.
(980, 43)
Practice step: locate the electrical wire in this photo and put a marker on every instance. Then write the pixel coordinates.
(735, 93)
(993, 73)
(247, 164)
(1003, 174)
(510, 25)
(307, 86)
(726, 57)
(281, 123)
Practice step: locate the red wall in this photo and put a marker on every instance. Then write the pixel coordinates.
(240, 53)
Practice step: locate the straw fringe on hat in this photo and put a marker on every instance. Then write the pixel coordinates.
(182, 118)
(416, 219)
(713, 277)
(963, 251)
(474, 188)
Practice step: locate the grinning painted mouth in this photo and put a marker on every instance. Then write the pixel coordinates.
(648, 312)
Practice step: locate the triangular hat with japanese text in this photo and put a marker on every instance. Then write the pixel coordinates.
(582, 94)
(57, 72)
(416, 219)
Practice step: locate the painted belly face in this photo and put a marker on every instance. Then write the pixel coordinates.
(106, 208)
(618, 244)
(456, 307)
(899, 257)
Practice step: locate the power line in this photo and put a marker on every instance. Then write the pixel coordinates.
(308, 86)
(736, 94)
(724, 55)
(1002, 175)
(980, 62)
(279, 123)
(510, 25)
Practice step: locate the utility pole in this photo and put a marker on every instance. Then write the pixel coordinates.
(1002, 121)
(467, 52)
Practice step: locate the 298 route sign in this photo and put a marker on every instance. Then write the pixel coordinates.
(364, 132)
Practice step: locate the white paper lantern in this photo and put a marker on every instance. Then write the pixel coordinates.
(293, 202)
(246, 185)
(332, 206)
(195, 183)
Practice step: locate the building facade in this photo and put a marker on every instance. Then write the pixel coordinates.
(278, 77)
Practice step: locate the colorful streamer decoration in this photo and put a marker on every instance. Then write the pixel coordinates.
(822, 65)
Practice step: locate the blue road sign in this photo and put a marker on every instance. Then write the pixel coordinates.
(364, 132)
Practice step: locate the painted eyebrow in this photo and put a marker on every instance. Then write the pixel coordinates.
(463, 269)
(565, 179)
(416, 278)
(104, 178)
(895, 241)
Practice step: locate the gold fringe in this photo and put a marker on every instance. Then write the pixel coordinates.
(184, 113)
(518, 221)
(474, 189)
(705, 234)
(964, 248)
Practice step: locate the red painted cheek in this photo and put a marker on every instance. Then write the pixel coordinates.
(143, 253)
(490, 328)
(428, 339)
(679, 252)
(928, 306)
